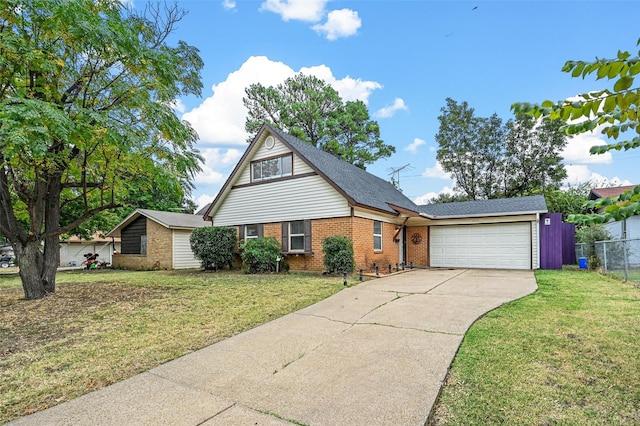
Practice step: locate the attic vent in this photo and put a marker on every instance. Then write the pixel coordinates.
(269, 142)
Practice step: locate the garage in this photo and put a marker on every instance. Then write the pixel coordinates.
(493, 246)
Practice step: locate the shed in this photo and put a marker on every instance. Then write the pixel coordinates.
(152, 239)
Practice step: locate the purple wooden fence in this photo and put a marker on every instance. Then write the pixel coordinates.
(568, 243)
(557, 242)
(551, 241)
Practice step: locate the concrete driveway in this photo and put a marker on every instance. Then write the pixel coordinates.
(373, 354)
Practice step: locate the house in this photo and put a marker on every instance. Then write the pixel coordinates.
(628, 228)
(285, 188)
(73, 249)
(152, 239)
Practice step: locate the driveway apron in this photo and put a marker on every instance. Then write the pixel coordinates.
(373, 354)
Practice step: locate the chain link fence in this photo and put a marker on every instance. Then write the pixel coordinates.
(619, 257)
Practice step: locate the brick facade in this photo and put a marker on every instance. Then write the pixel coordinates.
(159, 251)
(417, 246)
(360, 231)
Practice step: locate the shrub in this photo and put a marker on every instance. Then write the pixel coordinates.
(214, 246)
(338, 254)
(588, 235)
(260, 255)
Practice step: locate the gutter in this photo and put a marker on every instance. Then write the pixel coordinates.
(465, 216)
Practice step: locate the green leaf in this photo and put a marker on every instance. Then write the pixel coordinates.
(623, 55)
(603, 71)
(623, 83)
(577, 70)
(609, 104)
(615, 69)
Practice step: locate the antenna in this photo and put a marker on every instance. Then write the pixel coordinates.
(395, 175)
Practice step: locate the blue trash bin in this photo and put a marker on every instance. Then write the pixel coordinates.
(583, 263)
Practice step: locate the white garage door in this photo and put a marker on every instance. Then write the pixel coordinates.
(499, 246)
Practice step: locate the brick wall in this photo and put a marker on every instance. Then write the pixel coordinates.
(360, 231)
(159, 251)
(417, 252)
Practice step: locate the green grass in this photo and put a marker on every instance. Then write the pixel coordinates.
(569, 354)
(101, 327)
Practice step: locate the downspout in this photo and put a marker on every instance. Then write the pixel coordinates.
(395, 237)
(537, 266)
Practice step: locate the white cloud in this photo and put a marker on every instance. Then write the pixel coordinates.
(203, 200)
(577, 149)
(217, 161)
(413, 147)
(340, 23)
(229, 4)
(220, 118)
(390, 110)
(301, 10)
(426, 198)
(579, 174)
(436, 172)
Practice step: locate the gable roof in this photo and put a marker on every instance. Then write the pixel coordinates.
(608, 192)
(169, 220)
(498, 207)
(359, 187)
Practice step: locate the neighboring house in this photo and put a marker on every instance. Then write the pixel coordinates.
(285, 188)
(152, 239)
(73, 249)
(629, 228)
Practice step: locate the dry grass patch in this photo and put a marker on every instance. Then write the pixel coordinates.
(568, 354)
(102, 327)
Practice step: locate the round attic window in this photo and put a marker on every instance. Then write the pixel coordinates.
(269, 142)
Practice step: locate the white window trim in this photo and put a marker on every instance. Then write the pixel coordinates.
(246, 229)
(377, 235)
(281, 158)
(291, 235)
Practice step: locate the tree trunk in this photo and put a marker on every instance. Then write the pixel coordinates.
(37, 274)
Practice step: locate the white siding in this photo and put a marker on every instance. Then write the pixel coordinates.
(71, 254)
(182, 255)
(299, 166)
(310, 197)
(535, 244)
(500, 246)
(369, 214)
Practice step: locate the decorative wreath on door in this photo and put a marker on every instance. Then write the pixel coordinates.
(416, 238)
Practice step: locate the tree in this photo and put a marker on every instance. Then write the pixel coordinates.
(85, 88)
(568, 201)
(471, 149)
(490, 160)
(447, 198)
(615, 110)
(532, 156)
(310, 109)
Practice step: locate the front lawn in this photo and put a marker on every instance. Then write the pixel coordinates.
(568, 354)
(101, 327)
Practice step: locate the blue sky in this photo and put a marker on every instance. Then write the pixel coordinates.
(403, 59)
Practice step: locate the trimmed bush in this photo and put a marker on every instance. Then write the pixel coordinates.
(338, 254)
(214, 246)
(260, 255)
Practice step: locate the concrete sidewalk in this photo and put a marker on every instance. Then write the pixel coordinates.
(373, 354)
